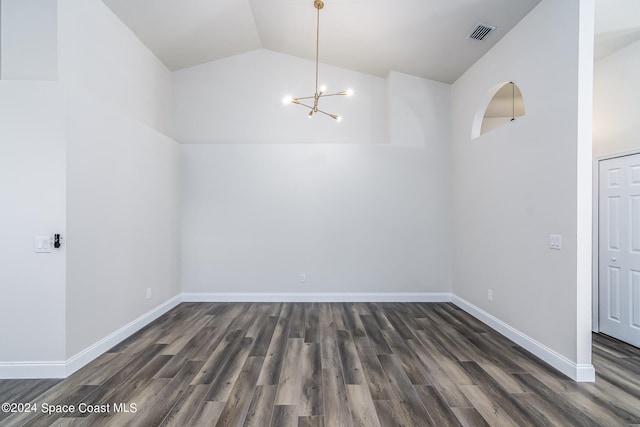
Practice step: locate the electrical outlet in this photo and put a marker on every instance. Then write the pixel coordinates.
(555, 241)
(303, 277)
(148, 293)
(490, 295)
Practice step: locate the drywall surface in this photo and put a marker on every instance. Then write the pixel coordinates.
(123, 180)
(32, 203)
(615, 114)
(352, 218)
(269, 195)
(103, 60)
(28, 40)
(518, 184)
(419, 112)
(123, 222)
(239, 100)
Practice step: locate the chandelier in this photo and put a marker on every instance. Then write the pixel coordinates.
(320, 92)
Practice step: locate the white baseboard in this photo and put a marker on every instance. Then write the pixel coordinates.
(318, 297)
(32, 370)
(62, 369)
(90, 353)
(579, 373)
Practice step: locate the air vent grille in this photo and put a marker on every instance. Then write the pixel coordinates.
(481, 32)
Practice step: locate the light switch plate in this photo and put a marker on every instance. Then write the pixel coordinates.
(42, 245)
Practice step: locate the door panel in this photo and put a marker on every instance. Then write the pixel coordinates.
(619, 252)
(635, 299)
(634, 216)
(613, 237)
(613, 294)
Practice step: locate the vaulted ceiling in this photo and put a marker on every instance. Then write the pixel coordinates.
(426, 38)
(617, 26)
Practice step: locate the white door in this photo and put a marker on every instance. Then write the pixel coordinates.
(619, 251)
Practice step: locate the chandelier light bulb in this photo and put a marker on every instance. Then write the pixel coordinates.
(323, 89)
(349, 92)
(287, 100)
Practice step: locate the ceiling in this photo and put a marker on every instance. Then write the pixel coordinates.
(426, 38)
(617, 26)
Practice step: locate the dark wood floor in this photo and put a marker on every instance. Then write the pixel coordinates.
(338, 364)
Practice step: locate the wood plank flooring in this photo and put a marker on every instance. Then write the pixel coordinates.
(332, 365)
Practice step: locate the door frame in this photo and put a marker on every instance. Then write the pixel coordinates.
(595, 276)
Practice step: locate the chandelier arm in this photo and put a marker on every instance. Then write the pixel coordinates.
(333, 116)
(304, 97)
(331, 94)
(304, 105)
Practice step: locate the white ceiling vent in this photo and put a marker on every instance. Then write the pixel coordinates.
(481, 32)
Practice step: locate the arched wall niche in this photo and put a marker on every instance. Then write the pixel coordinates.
(504, 103)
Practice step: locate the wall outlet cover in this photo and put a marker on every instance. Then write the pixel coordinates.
(555, 241)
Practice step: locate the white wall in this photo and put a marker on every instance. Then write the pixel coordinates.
(239, 100)
(616, 88)
(123, 222)
(123, 178)
(28, 40)
(32, 203)
(259, 209)
(354, 218)
(415, 111)
(102, 59)
(518, 184)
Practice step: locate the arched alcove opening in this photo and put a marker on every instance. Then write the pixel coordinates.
(504, 106)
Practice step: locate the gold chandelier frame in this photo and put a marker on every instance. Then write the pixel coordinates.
(320, 91)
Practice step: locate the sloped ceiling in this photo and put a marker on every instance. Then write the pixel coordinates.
(617, 26)
(425, 38)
